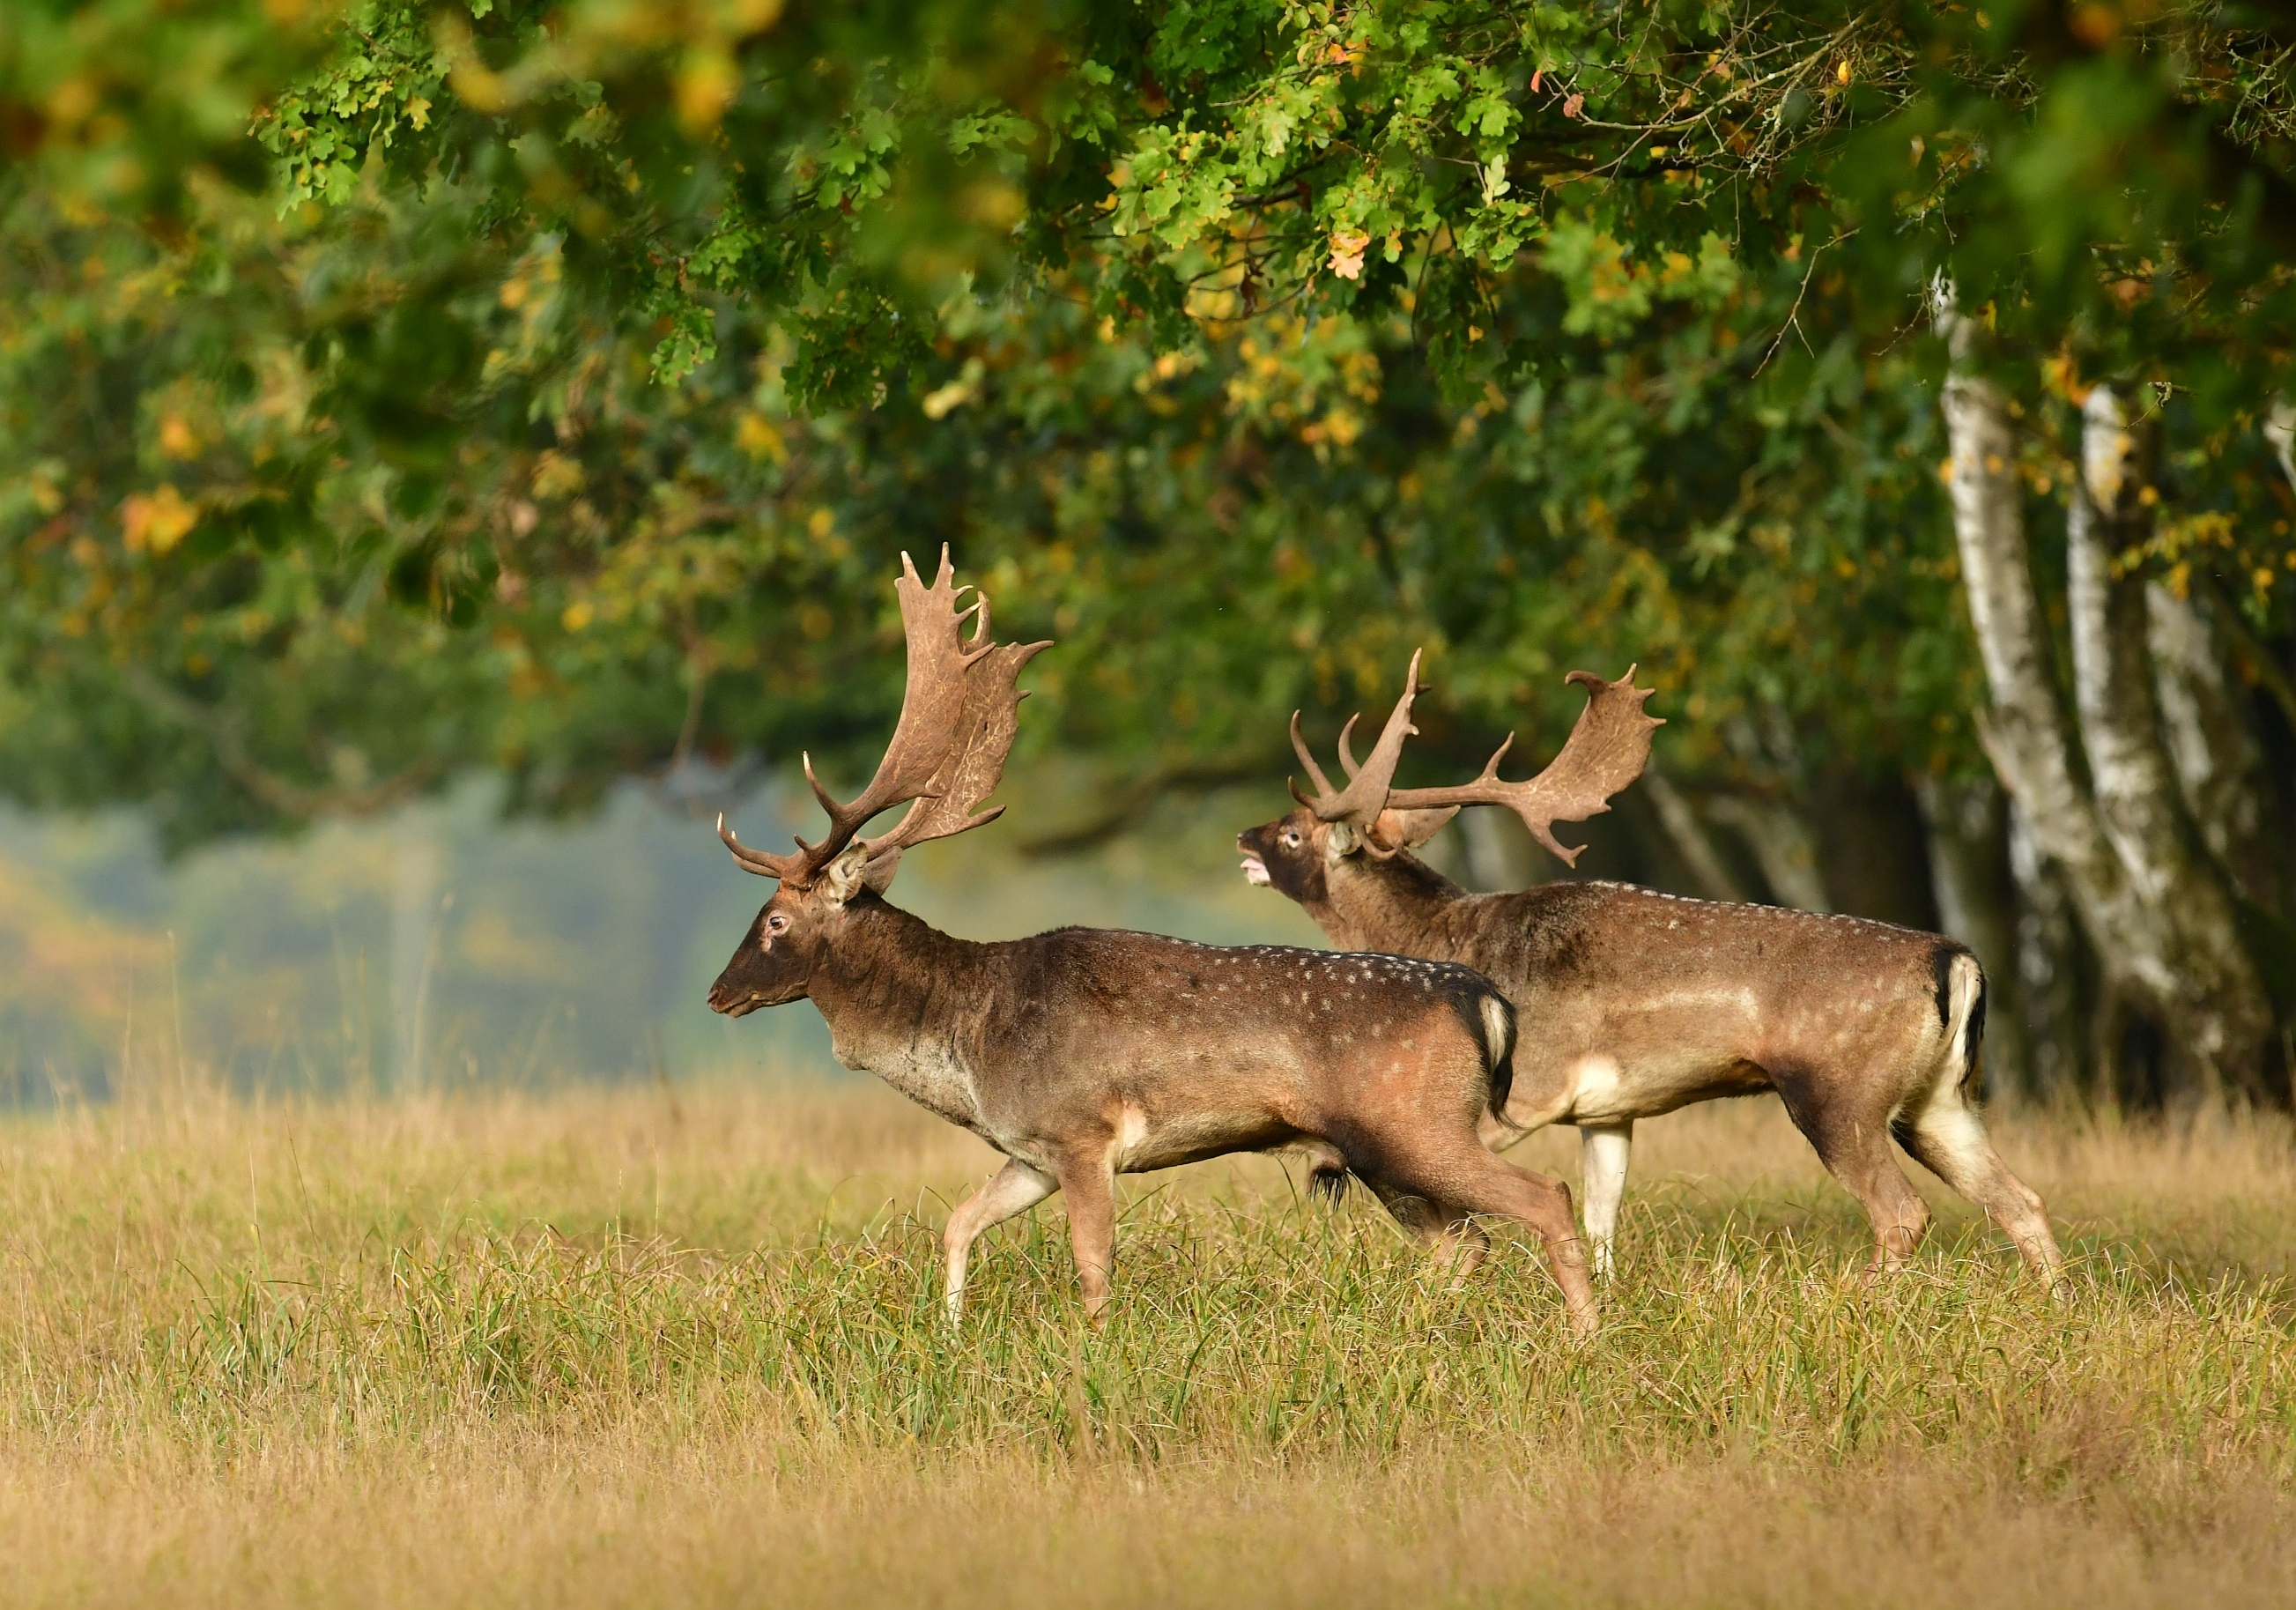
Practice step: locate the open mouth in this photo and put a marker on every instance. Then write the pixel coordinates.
(1255, 872)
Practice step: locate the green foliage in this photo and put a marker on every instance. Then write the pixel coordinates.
(570, 373)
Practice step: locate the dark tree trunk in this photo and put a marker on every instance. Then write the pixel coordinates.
(1872, 848)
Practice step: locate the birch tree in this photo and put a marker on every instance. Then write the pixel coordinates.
(2099, 790)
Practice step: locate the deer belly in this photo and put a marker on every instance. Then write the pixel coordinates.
(1608, 1089)
(1144, 1140)
(1642, 1065)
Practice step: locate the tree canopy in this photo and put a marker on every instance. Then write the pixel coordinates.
(398, 388)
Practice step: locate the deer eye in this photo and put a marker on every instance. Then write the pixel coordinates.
(1292, 836)
(777, 922)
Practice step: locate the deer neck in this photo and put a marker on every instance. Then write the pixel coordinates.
(1400, 904)
(901, 999)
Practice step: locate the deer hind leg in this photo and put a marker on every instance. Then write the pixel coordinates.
(1480, 1183)
(1603, 1152)
(1014, 1188)
(1455, 1244)
(1950, 1140)
(1090, 1186)
(1854, 1145)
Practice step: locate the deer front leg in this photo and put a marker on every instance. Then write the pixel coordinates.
(1090, 1187)
(1603, 1152)
(1014, 1188)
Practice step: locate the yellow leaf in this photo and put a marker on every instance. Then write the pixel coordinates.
(556, 475)
(705, 84)
(758, 437)
(155, 521)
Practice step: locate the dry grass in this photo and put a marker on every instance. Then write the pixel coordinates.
(639, 1347)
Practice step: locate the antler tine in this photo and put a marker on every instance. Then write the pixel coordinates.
(1307, 757)
(1490, 771)
(829, 802)
(1366, 793)
(983, 639)
(1347, 756)
(764, 862)
(1607, 750)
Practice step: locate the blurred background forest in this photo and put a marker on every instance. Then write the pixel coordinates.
(448, 451)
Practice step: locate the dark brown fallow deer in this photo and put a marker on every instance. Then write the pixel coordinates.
(1631, 1002)
(1083, 1053)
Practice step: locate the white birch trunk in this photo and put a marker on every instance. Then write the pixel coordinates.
(1691, 840)
(2159, 915)
(2280, 430)
(2212, 740)
(2186, 945)
(1784, 848)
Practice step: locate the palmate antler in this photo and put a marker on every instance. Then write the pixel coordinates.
(1607, 750)
(959, 712)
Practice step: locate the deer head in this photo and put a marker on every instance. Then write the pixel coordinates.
(1607, 750)
(959, 712)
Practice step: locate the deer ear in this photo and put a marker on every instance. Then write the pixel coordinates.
(842, 878)
(1409, 829)
(879, 874)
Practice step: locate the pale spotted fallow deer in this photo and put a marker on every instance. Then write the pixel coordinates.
(1631, 1002)
(1083, 1053)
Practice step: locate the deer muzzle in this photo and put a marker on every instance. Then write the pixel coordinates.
(1255, 869)
(731, 999)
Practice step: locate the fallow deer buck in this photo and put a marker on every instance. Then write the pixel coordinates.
(1631, 1002)
(1082, 1053)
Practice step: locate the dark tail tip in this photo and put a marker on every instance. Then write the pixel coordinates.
(1973, 1040)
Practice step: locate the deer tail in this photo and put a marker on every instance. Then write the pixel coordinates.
(1961, 1009)
(1498, 1049)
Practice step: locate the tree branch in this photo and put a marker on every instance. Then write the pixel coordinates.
(225, 731)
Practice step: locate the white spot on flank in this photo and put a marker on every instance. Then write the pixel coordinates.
(1595, 1083)
(1131, 1135)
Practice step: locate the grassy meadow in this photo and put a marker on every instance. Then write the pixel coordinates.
(680, 1344)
